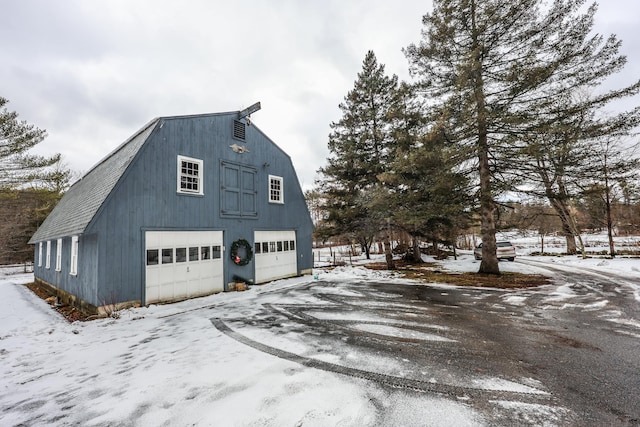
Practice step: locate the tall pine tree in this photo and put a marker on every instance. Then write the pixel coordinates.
(360, 147)
(498, 71)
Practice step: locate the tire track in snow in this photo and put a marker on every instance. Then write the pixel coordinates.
(460, 392)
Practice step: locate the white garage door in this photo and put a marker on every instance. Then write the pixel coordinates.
(275, 254)
(182, 264)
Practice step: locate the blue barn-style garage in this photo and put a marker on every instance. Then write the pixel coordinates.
(185, 207)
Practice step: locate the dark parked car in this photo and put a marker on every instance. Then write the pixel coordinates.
(505, 250)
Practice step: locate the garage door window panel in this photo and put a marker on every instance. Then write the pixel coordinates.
(181, 254)
(167, 256)
(217, 252)
(205, 253)
(153, 256)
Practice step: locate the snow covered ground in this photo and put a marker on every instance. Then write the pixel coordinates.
(168, 365)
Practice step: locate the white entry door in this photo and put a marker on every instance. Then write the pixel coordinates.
(275, 254)
(182, 264)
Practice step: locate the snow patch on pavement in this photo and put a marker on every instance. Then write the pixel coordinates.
(396, 332)
(531, 413)
(586, 307)
(515, 299)
(501, 384)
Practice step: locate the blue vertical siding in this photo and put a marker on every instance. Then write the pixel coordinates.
(85, 283)
(146, 198)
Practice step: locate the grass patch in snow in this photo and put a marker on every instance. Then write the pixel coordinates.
(433, 273)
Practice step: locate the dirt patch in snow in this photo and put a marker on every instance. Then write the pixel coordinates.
(68, 312)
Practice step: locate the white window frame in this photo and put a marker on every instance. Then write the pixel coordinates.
(199, 177)
(279, 192)
(59, 255)
(40, 254)
(47, 261)
(73, 270)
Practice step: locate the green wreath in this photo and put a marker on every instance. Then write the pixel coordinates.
(247, 249)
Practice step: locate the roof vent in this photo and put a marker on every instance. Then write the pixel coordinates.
(239, 130)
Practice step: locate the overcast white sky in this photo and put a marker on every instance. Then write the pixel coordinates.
(92, 73)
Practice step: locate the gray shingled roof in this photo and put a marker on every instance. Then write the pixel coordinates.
(80, 203)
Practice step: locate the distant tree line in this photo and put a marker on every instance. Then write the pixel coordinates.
(506, 99)
(30, 185)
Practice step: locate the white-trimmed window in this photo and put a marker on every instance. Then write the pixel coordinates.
(40, 254)
(276, 193)
(47, 261)
(59, 255)
(190, 175)
(73, 270)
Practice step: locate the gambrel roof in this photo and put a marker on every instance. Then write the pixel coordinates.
(82, 201)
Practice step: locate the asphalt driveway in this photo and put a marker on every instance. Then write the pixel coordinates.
(568, 353)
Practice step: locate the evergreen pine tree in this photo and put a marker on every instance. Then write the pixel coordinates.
(360, 148)
(17, 167)
(498, 71)
(430, 198)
